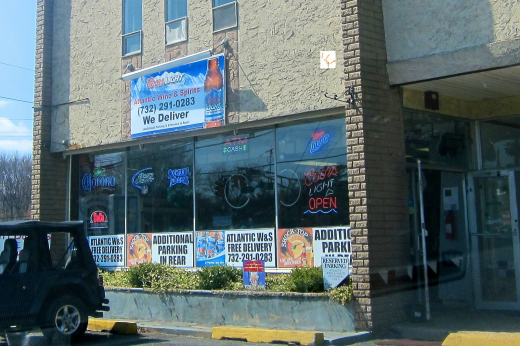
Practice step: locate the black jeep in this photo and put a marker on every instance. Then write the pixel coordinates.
(48, 279)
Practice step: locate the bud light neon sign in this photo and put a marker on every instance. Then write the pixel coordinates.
(319, 139)
(141, 179)
(179, 176)
(88, 182)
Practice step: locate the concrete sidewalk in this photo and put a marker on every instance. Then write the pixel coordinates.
(205, 331)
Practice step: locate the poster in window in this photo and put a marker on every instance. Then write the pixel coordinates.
(250, 245)
(108, 251)
(295, 248)
(173, 249)
(139, 249)
(211, 248)
(331, 242)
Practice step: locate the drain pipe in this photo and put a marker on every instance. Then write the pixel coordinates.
(423, 236)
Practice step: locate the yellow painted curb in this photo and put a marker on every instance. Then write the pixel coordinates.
(482, 339)
(113, 326)
(268, 335)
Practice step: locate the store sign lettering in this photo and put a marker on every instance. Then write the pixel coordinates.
(165, 79)
(179, 176)
(88, 182)
(318, 140)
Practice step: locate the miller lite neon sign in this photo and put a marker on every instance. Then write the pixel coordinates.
(319, 138)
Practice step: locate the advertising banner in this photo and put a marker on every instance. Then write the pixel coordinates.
(108, 250)
(251, 245)
(173, 249)
(139, 247)
(335, 270)
(331, 242)
(181, 98)
(295, 248)
(211, 248)
(253, 274)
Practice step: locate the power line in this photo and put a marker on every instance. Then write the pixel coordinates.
(23, 68)
(8, 98)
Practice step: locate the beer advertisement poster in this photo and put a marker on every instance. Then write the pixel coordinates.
(331, 242)
(253, 274)
(173, 249)
(295, 248)
(139, 249)
(211, 248)
(250, 245)
(108, 251)
(182, 98)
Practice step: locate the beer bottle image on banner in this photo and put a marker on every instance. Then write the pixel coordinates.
(214, 105)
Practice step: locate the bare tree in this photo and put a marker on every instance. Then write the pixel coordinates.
(15, 186)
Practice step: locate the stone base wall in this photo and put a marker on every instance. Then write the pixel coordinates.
(264, 310)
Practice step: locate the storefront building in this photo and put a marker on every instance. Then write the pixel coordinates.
(195, 133)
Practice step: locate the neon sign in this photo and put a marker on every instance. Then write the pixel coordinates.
(88, 182)
(235, 145)
(320, 186)
(319, 138)
(99, 219)
(324, 205)
(312, 177)
(141, 179)
(179, 176)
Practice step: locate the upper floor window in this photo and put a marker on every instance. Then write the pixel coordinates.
(176, 21)
(224, 14)
(132, 26)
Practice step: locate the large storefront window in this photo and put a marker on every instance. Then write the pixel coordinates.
(234, 181)
(160, 188)
(101, 193)
(312, 174)
(500, 143)
(438, 140)
(277, 194)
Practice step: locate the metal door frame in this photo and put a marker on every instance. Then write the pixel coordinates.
(473, 234)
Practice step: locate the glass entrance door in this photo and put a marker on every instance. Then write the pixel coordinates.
(494, 239)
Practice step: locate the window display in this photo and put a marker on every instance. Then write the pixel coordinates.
(160, 188)
(101, 193)
(251, 187)
(437, 139)
(312, 174)
(234, 181)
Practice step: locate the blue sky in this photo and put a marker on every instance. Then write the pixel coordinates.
(18, 40)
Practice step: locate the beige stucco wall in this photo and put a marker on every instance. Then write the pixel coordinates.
(86, 64)
(428, 39)
(279, 44)
(416, 28)
(279, 47)
(153, 29)
(200, 35)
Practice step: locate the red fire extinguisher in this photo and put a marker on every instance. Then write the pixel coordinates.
(449, 224)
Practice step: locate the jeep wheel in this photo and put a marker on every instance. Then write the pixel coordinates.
(65, 321)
